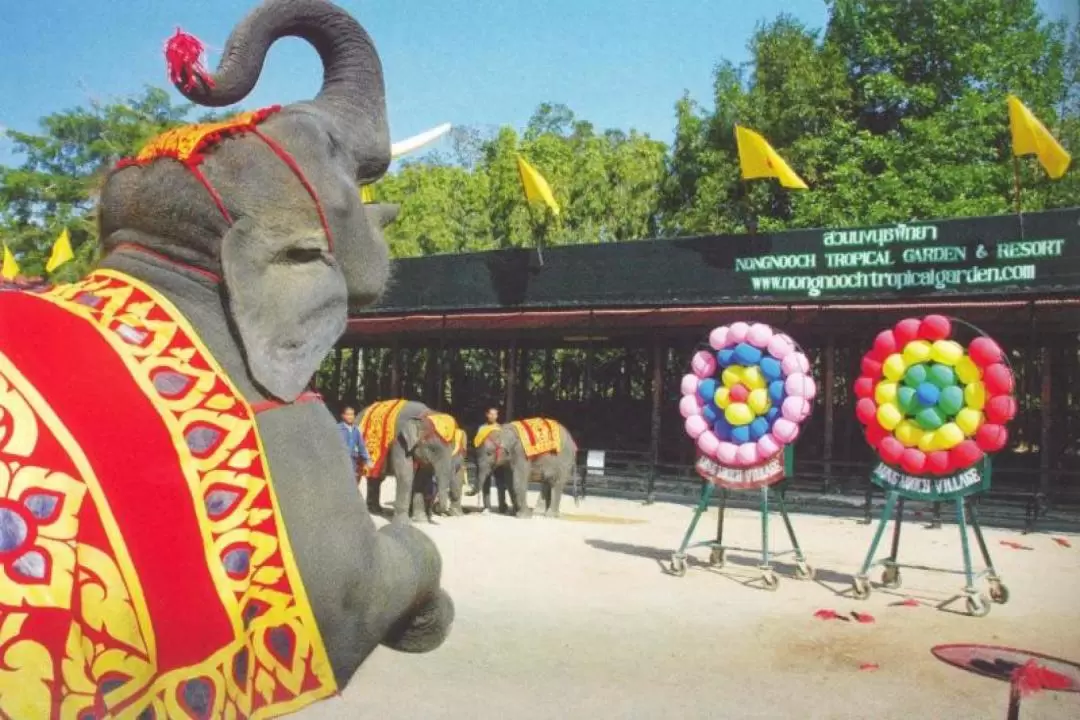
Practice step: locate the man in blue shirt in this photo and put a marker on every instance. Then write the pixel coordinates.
(354, 441)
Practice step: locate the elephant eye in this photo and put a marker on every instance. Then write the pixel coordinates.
(301, 256)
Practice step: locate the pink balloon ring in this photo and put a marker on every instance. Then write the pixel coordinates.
(737, 333)
(708, 443)
(703, 364)
(696, 425)
(767, 446)
(690, 405)
(799, 385)
(718, 338)
(759, 335)
(748, 455)
(794, 408)
(795, 362)
(689, 384)
(726, 452)
(785, 430)
(780, 348)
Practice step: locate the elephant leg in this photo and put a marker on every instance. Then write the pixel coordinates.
(374, 488)
(421, 495)
(455, 494)
(520, 490)
(503, 491)
(557, 485)
(405, 476)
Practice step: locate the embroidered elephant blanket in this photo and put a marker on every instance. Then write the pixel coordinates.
(378, 425)
(461, 441)
(145, 570)
(538, 436)
(445, 425)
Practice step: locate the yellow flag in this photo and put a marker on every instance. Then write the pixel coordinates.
(1030, 137)
(10, 268)
(366, 194)
(757, 159)
(61, 252)
(536, 187)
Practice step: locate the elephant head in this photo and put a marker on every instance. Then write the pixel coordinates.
(269, 208)
(495, 451)
(423, 442)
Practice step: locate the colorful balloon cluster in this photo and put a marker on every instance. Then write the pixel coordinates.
(929, 405)
(747, 397)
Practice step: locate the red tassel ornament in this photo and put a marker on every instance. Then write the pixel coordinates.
(183, 56)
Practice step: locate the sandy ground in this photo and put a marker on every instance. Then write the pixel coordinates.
(577, 618)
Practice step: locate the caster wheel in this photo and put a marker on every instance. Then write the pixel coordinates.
(860, 588)
(890, 577)
(770, 581)
(678, 565)
(999, 592)
(978, 605)
(716, 557)
(804, 572)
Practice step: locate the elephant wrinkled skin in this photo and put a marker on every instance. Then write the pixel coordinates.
(269, 292)
(502, 450)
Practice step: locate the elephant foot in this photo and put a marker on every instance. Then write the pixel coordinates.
(525, 514)
(504, 510)
(401, 518)
(470, 491)
(426, 630)
(456, 511)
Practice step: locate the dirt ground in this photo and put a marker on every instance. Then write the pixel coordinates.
(577, 618)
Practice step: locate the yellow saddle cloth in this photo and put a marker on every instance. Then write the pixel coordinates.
(538, 436)
(461, 441)
(445, 425)
(377, 425)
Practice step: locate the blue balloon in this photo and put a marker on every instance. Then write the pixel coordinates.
(722, 428)
(770, 368)
(759, 427)
(740, 434)
(747, 354)
(928, 394)
(725, 358)
(776, 391)
(706, 389)
(711, 413)
(772, 414)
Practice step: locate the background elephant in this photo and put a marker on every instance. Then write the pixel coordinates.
(263, 244)
(420, 460)
(503, 449)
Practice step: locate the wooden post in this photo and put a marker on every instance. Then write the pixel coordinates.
(440, 370)
(549, 380)
(1046, 400)
(511, 379)
(395, 370)
(657, 402)
(521, 393)
(829, 400)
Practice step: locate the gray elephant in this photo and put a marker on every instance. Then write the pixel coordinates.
(415, 445)
(185, 440)
(533, 450)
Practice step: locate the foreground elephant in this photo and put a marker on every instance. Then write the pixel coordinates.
(180, 532)
(415, 445)
(534, 449)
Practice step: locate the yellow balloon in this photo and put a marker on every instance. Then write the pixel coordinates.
(731, 376)
(889, 416)
(909, 434)
(722, 398)
(759, 401)
(894, 367)
(885, 392)
(949, 436)
(967, 371)
(929, 441)
(753, 378)
(975, 396)
(917, 351)
(946, 352)
(969, 421)
(739, 414)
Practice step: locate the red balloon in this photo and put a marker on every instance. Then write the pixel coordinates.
(937, 463)
(1001, 409)
(891, 450)
(965, 455)
(998, 380)
(991, 437)
(884, 345)
(985, 351)
(866, 410)
(864, 387)
(739, 393)
(870, 367)
(913, 461)
(875, 433)
(935, 327)
(906, 330)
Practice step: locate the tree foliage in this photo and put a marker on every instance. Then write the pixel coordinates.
(894, 111)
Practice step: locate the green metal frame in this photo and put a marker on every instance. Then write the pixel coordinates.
(803, 570)
(977, 603)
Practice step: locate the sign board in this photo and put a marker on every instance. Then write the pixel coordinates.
(768, 473)
(966, 482)
(594, 462)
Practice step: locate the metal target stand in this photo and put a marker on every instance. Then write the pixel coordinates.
(735, 480)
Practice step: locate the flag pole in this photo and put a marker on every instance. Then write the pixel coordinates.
(1016, 194)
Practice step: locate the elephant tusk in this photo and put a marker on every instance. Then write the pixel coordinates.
(416, 142)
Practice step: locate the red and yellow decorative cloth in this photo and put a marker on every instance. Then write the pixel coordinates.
(378, 425)
(538, 436)
(461, 441)
(145, 571)
(483, 431)
(445, 426)
(187, 142)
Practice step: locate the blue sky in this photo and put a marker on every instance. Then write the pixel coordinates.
(617, 63)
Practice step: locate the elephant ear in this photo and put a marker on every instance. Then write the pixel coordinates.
(410, 434)
(289, 305)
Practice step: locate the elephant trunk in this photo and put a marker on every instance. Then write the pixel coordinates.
(352, 88)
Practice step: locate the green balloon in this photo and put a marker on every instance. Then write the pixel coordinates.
(942, 375)
(905, 398)
(929, 418)
(951, 401)
(915, 376)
